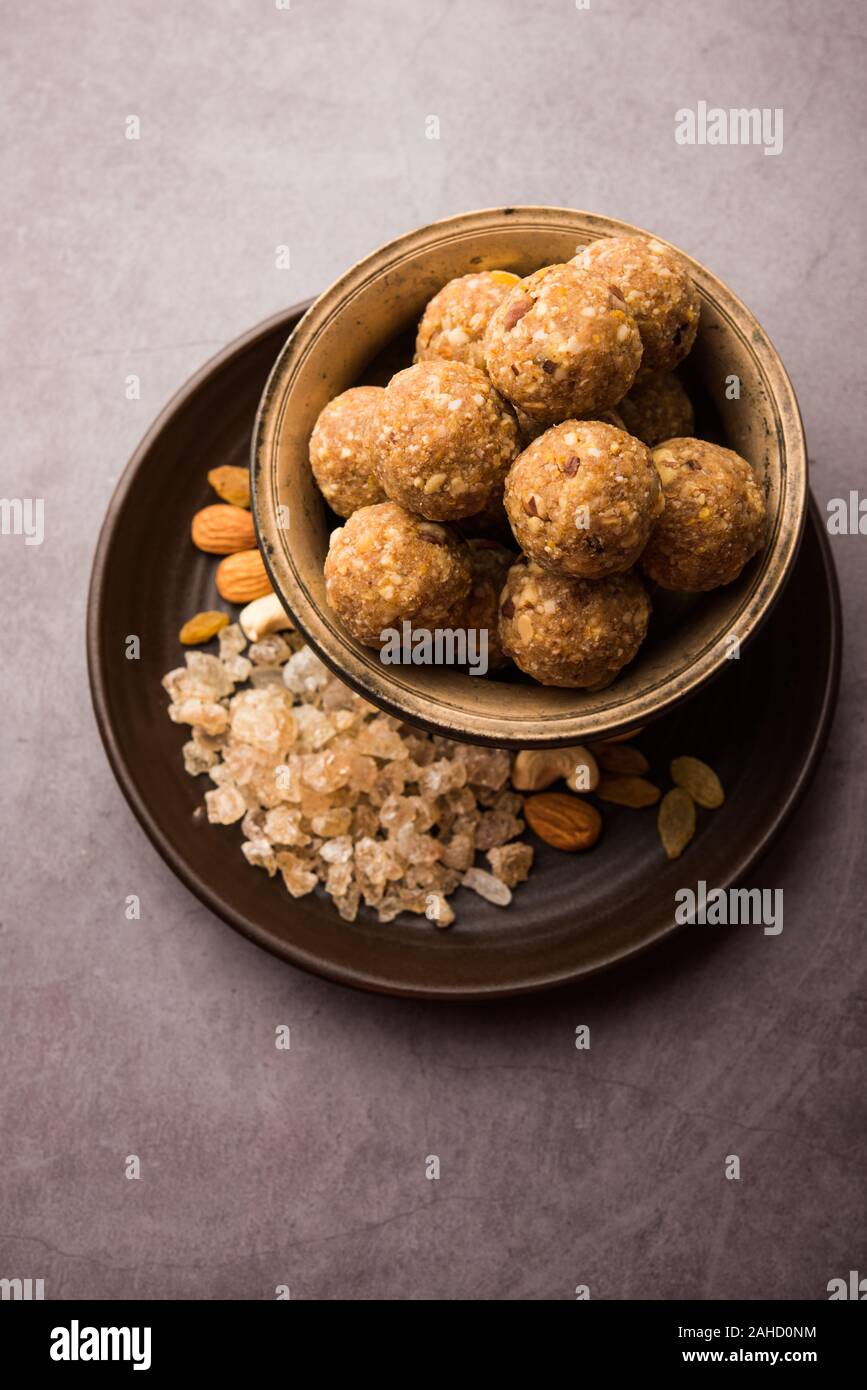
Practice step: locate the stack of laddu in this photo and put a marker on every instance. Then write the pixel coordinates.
(542, 413)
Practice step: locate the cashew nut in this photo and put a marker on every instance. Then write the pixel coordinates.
(262, 616)
(535, 769)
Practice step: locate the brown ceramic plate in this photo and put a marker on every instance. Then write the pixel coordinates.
(762, 724)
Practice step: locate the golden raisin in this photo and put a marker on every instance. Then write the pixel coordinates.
(231, 484)
(699, 780)
(676, 821)
(203, 627)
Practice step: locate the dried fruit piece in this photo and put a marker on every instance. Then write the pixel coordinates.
(242, 577)
(628, 791)
(221, 530)
(583, 775)
(203, 627)
(263, 616)
(566, 822)
(699, 780)
(676, 821)
(621, 758)
(535, 769)
(231, 484)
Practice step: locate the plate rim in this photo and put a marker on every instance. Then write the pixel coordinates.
(351, 977)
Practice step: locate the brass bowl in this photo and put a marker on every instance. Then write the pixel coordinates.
(361, 329)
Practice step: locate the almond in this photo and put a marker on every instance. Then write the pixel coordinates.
(221, 529)
(242, 577)
(231, 484)
(566, 822)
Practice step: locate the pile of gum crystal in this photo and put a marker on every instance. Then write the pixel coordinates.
(329, 790)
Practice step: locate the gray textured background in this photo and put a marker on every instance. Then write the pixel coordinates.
(306, 127)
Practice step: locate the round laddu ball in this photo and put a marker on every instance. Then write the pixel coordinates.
(443, 439)
(491, 563)
(714, 520)
(453, 324)
(386, 566)
(582, 499)
(658, 289)
(340, 453)
(562, 344)
(658, 408)
(572, 632)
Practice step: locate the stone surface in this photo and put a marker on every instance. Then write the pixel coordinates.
(259, 128)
